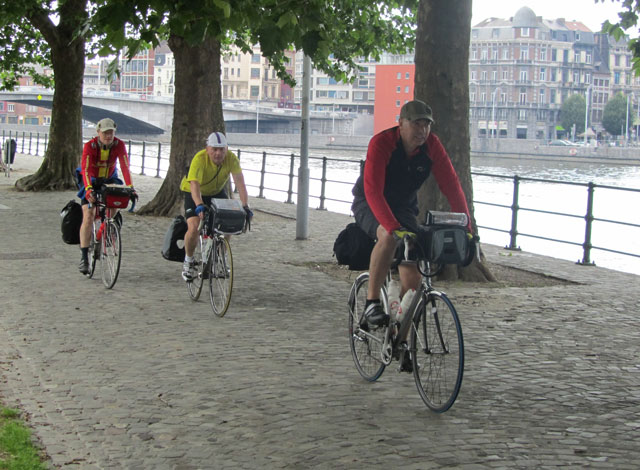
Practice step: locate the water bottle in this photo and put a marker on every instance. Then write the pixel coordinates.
(405, 304)
(394, 297)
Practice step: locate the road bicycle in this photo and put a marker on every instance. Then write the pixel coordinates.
(213, 259)
(105, 243)
(429, 331)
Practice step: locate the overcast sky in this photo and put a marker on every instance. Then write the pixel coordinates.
(586, 11)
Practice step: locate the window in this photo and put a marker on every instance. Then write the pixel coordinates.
(406, 89)
(484, 75)
(543, 54)
(543, 74)
(524, 32)
(472, 96)
(483, 97)
(554, 55)
(576, 76)
(238, 72)
(577, 36)
(505, 75)
(522, 114)
(495, 33)
(523, 96)
(576, 57)
(552, 96)
(397, 103)
(587, 78)
(588, 58)
(494, 75)
(255, 59)
(524, 53)
(484, 54)
(473, 75)
(523, 75)
(494, 54)
(255, 72)
(255, 91)
(505, 53)
(406, 75)
(542, 96)
(399, 76)
(397, 89)
(474, 54)
(322, 80)
(553, 75)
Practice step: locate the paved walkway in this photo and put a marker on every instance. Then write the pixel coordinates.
(140, 377)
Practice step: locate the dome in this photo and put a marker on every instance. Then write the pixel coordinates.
(525, 18)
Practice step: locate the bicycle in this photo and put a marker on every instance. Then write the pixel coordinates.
(435, 347)
(105, 241)
(212, 255)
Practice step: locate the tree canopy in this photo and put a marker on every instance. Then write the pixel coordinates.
(628, 21)
(614, 116)
(573, 113)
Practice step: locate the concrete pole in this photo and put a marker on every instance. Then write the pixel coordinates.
(302, 214)
(586, 115)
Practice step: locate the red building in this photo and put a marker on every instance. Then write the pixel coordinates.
(394, 87)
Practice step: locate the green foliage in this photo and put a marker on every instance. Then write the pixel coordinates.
(614, 116)
(334, 33)
(628, 20)
(16, 450)
(573, 112)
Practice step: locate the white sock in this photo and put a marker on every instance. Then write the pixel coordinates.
(188, 259)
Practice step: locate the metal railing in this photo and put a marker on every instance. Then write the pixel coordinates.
(153, 160)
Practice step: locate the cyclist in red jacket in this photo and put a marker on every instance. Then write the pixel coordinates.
(99, 158)
(385, 202)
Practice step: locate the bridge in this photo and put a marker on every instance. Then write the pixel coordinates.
(152, 115)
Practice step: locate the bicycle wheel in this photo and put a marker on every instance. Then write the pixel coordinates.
(111, 254)
(437, 351)
(366, 346)
(221, 277)
(94, 250)
(195, 285)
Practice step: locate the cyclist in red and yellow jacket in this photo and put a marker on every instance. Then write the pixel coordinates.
(99, 158)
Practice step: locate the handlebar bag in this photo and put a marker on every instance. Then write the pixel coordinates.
(445, 244)
(116, 196)
(228, 215)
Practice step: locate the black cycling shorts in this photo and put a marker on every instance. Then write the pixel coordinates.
(190, 205)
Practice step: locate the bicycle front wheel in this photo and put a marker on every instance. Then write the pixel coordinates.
(111, 254)
(195, 285)
(221, 277)
(366, 346)
(437, 351)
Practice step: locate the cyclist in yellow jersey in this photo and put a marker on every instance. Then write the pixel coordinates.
(208, 176)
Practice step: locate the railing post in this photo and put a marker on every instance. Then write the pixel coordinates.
(514, 215)
(144, 147)
(323, 184)
(262, 172)
(37, 143)
(290, 190)
(30, 137)
(159, 158)
(586, 254)
(24, 133)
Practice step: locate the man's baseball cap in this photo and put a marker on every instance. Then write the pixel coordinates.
(416, 109)
(106, 124)
(217, 139)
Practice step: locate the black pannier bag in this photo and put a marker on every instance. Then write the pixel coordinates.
(173, 247)
(228, 215)
(353, 248)
(71, 221)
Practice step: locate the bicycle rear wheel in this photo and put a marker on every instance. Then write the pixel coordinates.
(221, 277)
(111, 254)
(195, 285)
(437, 351)
(366, 346)
(94, 250)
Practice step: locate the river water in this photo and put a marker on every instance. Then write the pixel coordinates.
(550, 197)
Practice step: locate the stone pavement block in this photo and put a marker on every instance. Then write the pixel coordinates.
(142, 377)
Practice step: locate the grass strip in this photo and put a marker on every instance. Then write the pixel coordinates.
(17, 451)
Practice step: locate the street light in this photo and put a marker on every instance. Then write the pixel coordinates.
(586, 113)
(258, 113)
(493, 112)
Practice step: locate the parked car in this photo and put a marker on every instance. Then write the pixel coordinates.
(561, 143)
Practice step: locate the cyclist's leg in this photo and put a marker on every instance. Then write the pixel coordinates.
(88, 216)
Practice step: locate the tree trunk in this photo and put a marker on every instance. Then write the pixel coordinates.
(442, 81)
(65, 145)
(197, 112)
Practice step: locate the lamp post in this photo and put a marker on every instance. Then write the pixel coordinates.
(333, 118)
(586, 114)
(258, 113)
(626, 132)
(493, 113)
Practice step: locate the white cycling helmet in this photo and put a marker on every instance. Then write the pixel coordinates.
(217, 139)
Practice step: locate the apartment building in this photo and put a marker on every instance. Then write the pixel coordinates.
(137, 74)
(164, 71)
(523, 68)
(250, 77)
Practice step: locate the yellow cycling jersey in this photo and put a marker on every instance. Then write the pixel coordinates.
(212, 178)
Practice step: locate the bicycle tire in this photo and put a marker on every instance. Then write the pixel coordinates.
(94, 251)
(437, 351)
(111, 254)
(221, 277)
(365, 345)
(194, 286)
